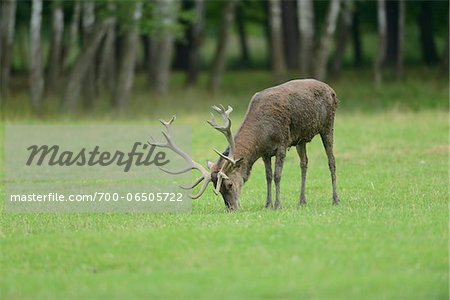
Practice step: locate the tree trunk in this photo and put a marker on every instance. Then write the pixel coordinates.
(401, 39)
(36, 68)
(429, 52)
(381, 16)
(242, 34)
(444, 65)
(107, 66)
(326, 40)
(278, 66)
(196, 42)
(55, 59)
(290, 33)
(356, 37)
(87, 23)
(7, 25)
(222, 45)
(126, 69)
(392, 18)
(73, 34)
(306, 29)
(344, 31)
(162, 45)
(82, 64)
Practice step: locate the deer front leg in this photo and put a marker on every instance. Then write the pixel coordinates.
(301, 150)
(327, 140)
(279, 161)
(268, 166)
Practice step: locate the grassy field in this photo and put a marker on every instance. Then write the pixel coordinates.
(387, 239)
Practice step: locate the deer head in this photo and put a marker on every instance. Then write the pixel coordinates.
(224, 174)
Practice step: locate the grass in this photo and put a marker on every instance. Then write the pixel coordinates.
(387, 239)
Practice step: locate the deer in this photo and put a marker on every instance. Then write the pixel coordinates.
(277, 118)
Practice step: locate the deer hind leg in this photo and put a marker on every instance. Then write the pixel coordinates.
(268, 166)
(327, 140)
(279, 161)
(301, 150)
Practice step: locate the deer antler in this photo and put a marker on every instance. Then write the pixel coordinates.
(225, 130)
(191, 164)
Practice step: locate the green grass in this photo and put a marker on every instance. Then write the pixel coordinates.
(387, 239)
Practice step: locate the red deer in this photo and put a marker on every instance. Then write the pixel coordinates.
(286, 115)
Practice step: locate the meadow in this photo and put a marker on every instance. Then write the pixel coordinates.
(387, 239)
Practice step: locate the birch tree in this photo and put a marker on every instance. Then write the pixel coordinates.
(107, 65)
(36, 68)
(381, 18)
(7, 25)
(55, 57)
(126, 68)
(87, 22)
(326, 40)
(73, 33)
(306, 30)
(344, 32)
(222, 45)
(276, 31)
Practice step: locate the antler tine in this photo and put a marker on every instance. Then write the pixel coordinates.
(226, 128)
(191, 164)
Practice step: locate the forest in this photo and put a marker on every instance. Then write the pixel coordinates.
(79, 53)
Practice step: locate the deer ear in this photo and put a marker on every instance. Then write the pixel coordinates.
(210, 164)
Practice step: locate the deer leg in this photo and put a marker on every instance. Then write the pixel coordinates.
(268, 165)
(301, 150)
(327, 140)
(279, 160)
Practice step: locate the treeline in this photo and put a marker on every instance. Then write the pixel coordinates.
(82, 48)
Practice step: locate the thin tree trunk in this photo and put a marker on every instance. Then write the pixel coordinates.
(278, 66)
(222, 45)
(73, 33)
(356, 36)
(36, 70)
(306, 29)
(55, 61)
(107, 66)
(7, 25)
(242, 34)
(344, 31)
(125, 75)
(88, 21)
(290, 33)
(401, 39)
(196, 39)
(327, 39)
(381, 16)
(162, 45)
(429, 52)
(84, 60)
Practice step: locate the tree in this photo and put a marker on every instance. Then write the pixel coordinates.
(392, 31)
(73, 33)
(107, 60)
(196, 34)
(7, 24)
(87, 22)
(306, 29)
(326, 40)
(277, 40)
(222, 45)
(356, 36)
(401, 38)
(36, 67)
(55, 57)
(126, 68)
(82, 64)
(429, 52)
(381, 17)
(242, 34)
(162, 44)
(345, 26)
(290, 33)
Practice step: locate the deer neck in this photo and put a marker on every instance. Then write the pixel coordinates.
(245, 147)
